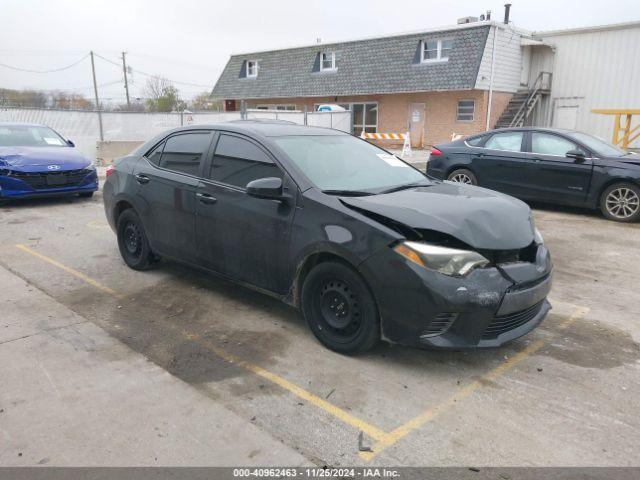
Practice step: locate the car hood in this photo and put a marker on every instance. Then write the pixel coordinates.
(34, 158)
(481, 218)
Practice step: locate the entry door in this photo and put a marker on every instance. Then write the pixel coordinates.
(566, 116)
(167, 184)
(554, 177)
(243, 237)
(416, 124)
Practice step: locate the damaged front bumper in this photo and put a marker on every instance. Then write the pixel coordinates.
(487, 308)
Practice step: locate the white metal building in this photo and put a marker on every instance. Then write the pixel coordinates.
(593, 68)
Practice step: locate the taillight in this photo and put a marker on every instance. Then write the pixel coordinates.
(110, 169)
(435, 152)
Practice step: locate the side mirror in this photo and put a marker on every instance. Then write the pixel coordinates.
(70, 143)
(268, 188)
(577, 155)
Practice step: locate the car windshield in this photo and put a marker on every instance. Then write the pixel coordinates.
(29, 136)
(597, 145)
(342, 163)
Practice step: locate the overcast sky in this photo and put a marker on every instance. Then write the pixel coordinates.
(190, 40)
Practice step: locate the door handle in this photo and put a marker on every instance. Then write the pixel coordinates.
(142, 179)
(206, 198)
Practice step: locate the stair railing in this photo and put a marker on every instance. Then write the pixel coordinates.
(542, 82)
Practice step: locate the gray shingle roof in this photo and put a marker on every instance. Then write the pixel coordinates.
(381, 65)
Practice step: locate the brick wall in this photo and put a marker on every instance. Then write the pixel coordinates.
(393, 111)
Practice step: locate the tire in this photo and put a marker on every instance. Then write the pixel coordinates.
(132, 242)
(462, 175)
(621, 202)
(86, 194)
(339, 308)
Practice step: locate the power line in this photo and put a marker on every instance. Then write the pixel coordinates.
(152, 75)
(83, 87)
(116, 64)
(175, 62)
(44, 71)
(173, 81)
(107, 60)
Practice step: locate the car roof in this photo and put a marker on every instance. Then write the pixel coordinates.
(21, 124)
(516, 129)
(264, 127)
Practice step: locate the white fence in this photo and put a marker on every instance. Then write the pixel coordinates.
(84, 129)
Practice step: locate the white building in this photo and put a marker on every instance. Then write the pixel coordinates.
(592, 68)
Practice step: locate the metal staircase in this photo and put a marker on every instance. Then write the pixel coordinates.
(523, 102)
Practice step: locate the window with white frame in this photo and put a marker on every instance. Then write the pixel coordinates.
(365, 116)
(252, 68)
(466, 110)
(328, 61)
(436, 50)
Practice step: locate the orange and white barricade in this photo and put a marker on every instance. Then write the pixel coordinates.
(406, 146)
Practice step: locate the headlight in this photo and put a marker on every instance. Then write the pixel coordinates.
(538, 237)
(448, 261)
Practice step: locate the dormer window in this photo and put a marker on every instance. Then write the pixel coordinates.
(436, 50)
(252, 68)
(328, 61)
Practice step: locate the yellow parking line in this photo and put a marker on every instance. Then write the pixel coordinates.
(97, 225)
(464, 392)
(337, 412)
(69, 270)
(383, 439)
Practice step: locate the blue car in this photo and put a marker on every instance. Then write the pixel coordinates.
(35, 161)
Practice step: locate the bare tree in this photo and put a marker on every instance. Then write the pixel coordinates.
(156, 87)
(162, 95)
(23, 98)
(204, 101)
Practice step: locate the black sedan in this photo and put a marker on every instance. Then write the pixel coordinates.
(364, 244)
(547, 165)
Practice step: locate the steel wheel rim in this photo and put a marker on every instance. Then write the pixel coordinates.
(340, 315)
(622, 203)
(132, 239)
(461, 178)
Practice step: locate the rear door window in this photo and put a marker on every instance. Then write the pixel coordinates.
(238, 161)
(548, 144)
(509, 141)
(154, 155)
(184, 153)
(476, 141)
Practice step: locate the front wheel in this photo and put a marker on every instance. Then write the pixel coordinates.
(132, 242)
(339, 308)
(621, 202)
(462, 175)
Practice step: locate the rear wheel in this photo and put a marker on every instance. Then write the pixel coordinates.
(86, 194)
(339, 308)
(462, 175)
(621, 202)
(132, 242)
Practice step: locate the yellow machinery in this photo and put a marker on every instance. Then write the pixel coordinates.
(623, 135)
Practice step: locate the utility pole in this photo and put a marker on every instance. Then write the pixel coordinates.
(126, 84)
(95, 91)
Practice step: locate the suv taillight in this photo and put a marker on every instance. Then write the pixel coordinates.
(435, 152)
(110, 169)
